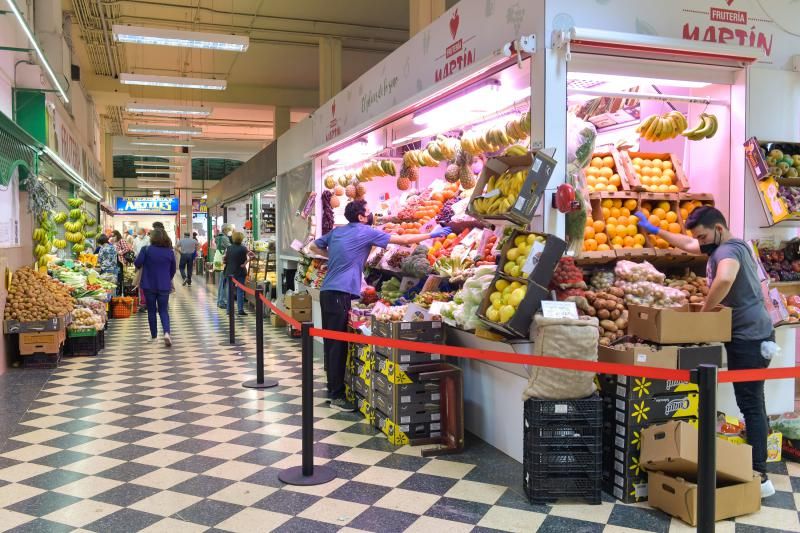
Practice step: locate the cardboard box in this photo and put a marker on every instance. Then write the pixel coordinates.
(539, 168)
(678, 497)
(297, 301)
(658, 409)
(401, 434)
(672, 448)
(44, 342)
(421, 331)
(53, 324)
(406, 413)
(680, 325)
(404, 393)
(674, 357)
(626, 489)
(398, 355)
(629, 387)
(276, 321)
(542, 259)
(301, 315)
(518, 325)
(365, 408)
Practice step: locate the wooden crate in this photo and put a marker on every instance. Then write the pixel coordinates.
(680, 179)
(42, 342)
(618, 169)
(599, 257)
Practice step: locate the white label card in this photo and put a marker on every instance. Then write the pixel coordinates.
(492, 193)
(533, 258)
(551, 309)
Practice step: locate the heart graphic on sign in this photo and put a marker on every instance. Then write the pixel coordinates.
(729, 2)
(454, 23)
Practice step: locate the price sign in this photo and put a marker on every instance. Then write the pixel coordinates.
(552, 309)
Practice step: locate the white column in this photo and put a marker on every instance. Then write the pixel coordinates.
(183, 190)
(283, 120)
(330, 68)
(423, 12)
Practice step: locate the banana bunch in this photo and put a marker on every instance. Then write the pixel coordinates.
(73, 226)
(705, 129)
(419, 158)
(78, 248)
(39, 235)
(662, 127)
(374, 168)
(42, 240)
(73, 237)
(478, 144)
(508, 186)
(60, 218)
(90, 221)
(60, 243)
(75, 214)
(443, 148)
(516, 149)
(75, 203)
(515, 129)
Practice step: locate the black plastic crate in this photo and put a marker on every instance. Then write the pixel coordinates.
(588, 411)
(588, 461)
(559, 436)
(41, 360)
(101, 338)
(82, 346)
(554, 487)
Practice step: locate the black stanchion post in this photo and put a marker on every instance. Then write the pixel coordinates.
(231, 320)
(260, 382)
(307, 473)
(707, 448)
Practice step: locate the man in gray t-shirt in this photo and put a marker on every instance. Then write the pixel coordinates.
(733, 279)
(187, 247)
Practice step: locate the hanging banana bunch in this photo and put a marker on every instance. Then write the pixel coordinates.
(705, 128)
(662, 127)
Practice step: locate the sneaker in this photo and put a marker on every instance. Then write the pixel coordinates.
(767, 488)
(243, 313)
(167, 340)
(184, 283)
(343, 405)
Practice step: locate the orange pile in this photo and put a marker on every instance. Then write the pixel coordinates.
(687, 206)
(663, 216)
(602, 176)
(655, 175)
(618, 230)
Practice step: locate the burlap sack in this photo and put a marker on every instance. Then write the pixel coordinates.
(569, 339)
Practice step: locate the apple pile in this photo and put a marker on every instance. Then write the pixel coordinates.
(505, 298)
(778, 266)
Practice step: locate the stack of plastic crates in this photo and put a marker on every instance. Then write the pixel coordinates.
(563, 449)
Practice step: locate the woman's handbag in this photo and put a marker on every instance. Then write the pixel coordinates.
(137, 278)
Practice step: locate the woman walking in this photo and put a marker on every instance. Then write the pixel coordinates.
(235, 259)
(157, 261)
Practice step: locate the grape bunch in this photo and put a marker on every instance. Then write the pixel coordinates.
(446, 214)
(327, 212)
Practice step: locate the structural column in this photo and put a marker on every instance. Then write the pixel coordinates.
(283, 120)
(183, 189)
(330, 68)
(422, 13)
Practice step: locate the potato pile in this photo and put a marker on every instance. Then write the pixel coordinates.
(36, 296)
(609, 307)
(694, 287)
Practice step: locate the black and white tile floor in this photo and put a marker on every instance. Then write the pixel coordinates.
(145, 438)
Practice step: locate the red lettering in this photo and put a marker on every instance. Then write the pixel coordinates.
(724, 35)
(762, 43)
(693, 35)
(741, 35)
(710, 35)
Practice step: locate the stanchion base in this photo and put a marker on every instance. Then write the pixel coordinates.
(294, 476)
(228, 343)
(268, 383)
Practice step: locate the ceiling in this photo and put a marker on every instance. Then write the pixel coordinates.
(280, 67)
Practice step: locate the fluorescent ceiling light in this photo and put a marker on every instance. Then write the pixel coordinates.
(155, 164)
(82, 183)
(52, 75)
(162, 156)
(182, 38)
(627, 82)
(183, 110)
(156, 193)
(204, 196)
(151, 172)
(172, 81)
(176, 144)
(352, 153)
(164, 130)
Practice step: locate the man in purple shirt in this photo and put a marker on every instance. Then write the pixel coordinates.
(347, 248)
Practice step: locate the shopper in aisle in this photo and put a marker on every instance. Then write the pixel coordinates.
(129, 238)
(107, 258)
(347, 248)
(157, 261)
(187, 247)
(223, 242)
(142, 240)
(125, 256)
(733, 275)
(235, 258)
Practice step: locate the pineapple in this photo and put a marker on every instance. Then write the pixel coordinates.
(467, 177)
(463, 158)
(452, 173)
(403, 183)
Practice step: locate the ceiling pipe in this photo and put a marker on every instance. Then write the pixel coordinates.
(110, 57)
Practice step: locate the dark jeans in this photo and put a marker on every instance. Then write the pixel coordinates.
(335, 307)
(222, 291)
(239, 293)
(186, 261)
(744, 355)
(157, 302)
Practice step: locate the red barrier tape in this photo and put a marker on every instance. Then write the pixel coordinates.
(505, 357)
(737, 376)
(246, 289)
(286, 318)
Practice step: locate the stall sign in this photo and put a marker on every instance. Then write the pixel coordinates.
(199, 206)
(148, 205)
(63, 140)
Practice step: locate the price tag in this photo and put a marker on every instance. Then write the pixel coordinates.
(533, 258)
(492, 193)
(552, 309)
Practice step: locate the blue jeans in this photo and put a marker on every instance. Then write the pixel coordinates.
(157, 301)
(240, 293)
(222, 291)
(186, 265)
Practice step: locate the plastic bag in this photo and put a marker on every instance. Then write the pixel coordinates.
(580, 141)
(788, 424)
(219, 263)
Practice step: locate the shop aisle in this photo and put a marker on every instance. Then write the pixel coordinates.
(156, 439)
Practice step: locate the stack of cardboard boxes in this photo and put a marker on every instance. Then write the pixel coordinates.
(670, 454)
(298, 306)
(632, 404)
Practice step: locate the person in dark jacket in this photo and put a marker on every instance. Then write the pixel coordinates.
(235, 259)
(157, 262)
(223, 243)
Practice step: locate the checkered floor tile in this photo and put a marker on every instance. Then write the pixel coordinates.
(148, 438)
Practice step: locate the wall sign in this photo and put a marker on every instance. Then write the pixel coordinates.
(148, 205)
(199, 205)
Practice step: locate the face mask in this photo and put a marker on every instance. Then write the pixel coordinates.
(370, 219)
(709, 248)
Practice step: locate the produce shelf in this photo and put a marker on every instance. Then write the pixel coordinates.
(788, 325)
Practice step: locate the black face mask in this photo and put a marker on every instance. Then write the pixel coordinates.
(370, 220)
(709, 248)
